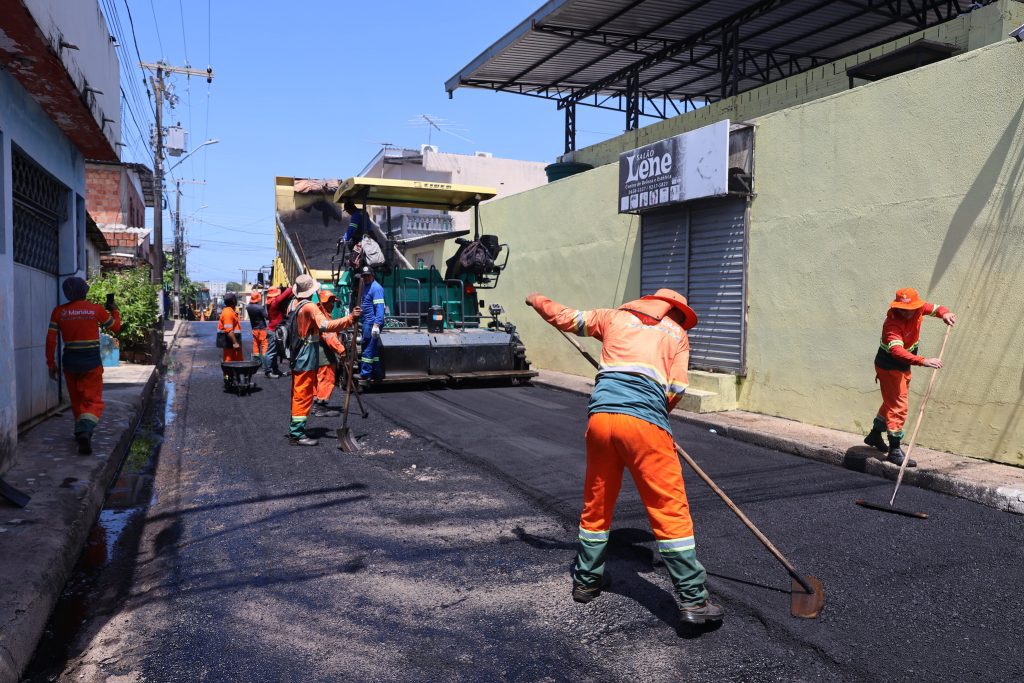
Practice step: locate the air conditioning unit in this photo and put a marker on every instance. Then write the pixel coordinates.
(428, 148)
(486, 155)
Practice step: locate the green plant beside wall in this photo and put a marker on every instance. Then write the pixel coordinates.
(136, 300)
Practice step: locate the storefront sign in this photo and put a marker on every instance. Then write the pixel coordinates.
(678, 169)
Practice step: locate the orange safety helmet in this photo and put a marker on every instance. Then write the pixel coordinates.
(907, 299)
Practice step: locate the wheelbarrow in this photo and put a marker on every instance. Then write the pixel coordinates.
(238, 375)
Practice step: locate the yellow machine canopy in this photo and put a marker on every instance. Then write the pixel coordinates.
(417, 194)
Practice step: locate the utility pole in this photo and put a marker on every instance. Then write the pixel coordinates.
(179, 244)
(161, 69)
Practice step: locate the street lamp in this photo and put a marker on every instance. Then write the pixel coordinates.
(208, 142)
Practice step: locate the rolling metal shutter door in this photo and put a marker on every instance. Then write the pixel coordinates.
(716, 277)
(663, 250)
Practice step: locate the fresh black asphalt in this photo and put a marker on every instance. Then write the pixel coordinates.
(440, 552)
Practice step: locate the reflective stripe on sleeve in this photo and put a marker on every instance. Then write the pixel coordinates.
(581, 324)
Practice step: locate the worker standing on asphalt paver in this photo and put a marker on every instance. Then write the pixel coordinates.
(311, 323)
(79, 323)
(332, 352)
(258, 320)
(645, 353)
(277, 305)
(901, 335)
(231, 326)
(372, 305)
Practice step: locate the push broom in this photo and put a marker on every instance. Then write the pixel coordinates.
(910, 449)
(807, 597)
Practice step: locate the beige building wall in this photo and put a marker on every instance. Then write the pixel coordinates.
(916, 180)
(912, 181)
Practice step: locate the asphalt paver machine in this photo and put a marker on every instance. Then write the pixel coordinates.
(438, 328)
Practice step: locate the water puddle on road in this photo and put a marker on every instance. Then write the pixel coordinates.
(102, 576)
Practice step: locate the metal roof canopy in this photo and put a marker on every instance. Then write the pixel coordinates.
(662, 58)
(415, 194)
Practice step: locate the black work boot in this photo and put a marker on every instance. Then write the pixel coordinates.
(702, 613)
(896, 454)
(84, 441)
(324, 411)
(584, 594)
(874, 438)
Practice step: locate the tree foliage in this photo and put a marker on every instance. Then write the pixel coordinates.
(187, 287)
(136, 300)
(234, 287)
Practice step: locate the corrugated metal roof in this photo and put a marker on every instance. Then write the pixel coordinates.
(583, 51)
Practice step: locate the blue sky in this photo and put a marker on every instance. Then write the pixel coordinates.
(311, 89)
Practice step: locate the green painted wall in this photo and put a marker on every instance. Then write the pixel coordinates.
(916, 180)
(569, 243)
(912, 181)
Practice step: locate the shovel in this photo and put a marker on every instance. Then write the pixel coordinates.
(807, 595)
(346, 442)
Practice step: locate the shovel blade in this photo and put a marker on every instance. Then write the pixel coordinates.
(347, 442)
(12, 494)
(807, 605)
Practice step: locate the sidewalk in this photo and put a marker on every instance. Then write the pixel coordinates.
(41, 543)
(988, 483)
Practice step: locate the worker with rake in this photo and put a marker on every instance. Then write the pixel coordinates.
(310, 324)
(901, 335)
(645, 354)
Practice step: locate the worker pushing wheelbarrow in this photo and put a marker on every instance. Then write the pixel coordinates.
(238, 372)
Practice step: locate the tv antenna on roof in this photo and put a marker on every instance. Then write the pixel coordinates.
(432, 123)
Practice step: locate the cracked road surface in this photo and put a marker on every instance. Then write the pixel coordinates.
(440, 553)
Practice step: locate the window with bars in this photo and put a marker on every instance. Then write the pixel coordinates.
(40, 206)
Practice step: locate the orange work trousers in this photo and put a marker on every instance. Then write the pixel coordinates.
(233, 354)
(303, 391)
(259, 343)
(616, 442)
(895, 385)
(85, 389)
(325, 378)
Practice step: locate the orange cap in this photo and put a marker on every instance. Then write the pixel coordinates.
(325, 295)
(908, 299)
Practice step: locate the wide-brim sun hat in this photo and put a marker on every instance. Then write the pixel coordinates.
(305, 287)
(255, 298)
(907, 299)
(678, 301)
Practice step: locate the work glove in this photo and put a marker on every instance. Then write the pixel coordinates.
(54, 374)
(375, 331)
(531, 298)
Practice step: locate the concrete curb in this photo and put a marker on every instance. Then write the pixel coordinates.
(49, 535)
(990, 484)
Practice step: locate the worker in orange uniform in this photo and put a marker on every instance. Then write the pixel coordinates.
(901, 336)
(645, 352)
(332, 352)
(258, 322)
(79, 322)
(311, 324)
(232, 327)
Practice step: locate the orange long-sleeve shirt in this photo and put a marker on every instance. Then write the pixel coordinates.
(79, 324)
(901, 336)
(658, 352)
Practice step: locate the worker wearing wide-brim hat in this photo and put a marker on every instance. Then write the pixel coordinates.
(645, 353)
(311, 324)
(897, 352)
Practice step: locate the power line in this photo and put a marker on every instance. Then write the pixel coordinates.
(156, 22)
